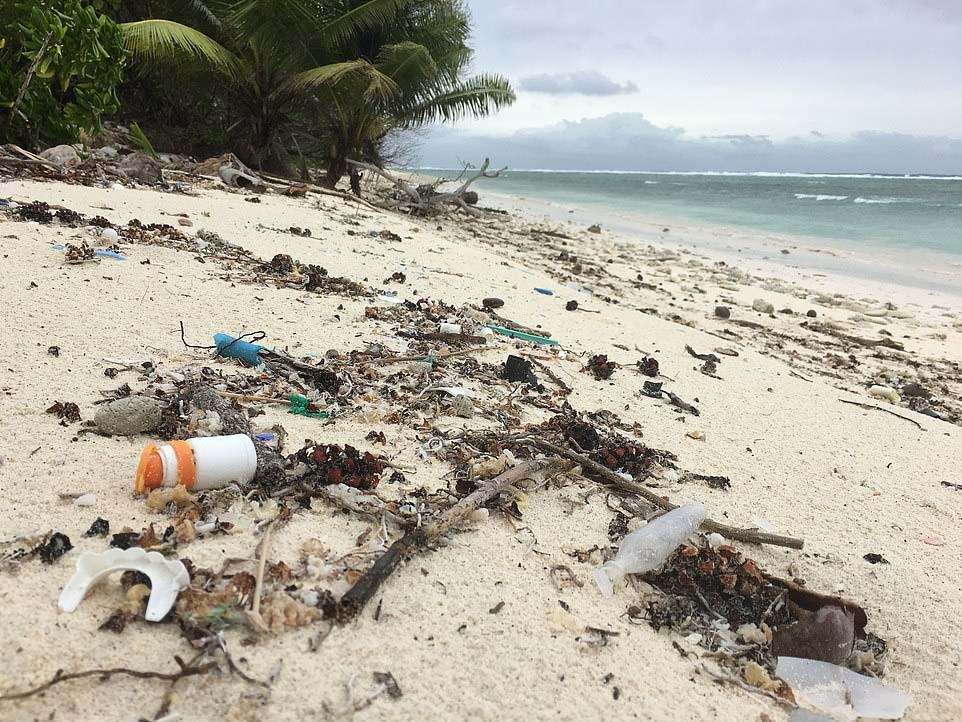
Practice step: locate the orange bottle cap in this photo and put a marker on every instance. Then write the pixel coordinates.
(150, 471)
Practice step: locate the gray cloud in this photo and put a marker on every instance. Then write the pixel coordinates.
(581, 82)
(628, 141)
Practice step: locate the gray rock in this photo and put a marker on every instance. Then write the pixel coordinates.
(141, 167)
(763, 306)
(723, 312)
(128, 416)
(61, 155)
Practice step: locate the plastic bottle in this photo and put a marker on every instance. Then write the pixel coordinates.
(647, 547)
(230, 347)
(210, 462)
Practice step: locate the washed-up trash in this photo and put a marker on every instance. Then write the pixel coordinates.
(129, 415)
(646, 548)
(840, 692)
(450, 328)
(303, 406)
(210, 462)
(544, 291)
(523, 336)
(167, 578)
(230, 347)
(109, 235)
(884, 392)
(96, 252)
(517, 369)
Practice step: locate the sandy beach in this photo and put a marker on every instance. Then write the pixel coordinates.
(480, 626)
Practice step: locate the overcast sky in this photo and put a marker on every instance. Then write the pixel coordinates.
(774, 82)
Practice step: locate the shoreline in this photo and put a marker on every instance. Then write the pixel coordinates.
(779, 417)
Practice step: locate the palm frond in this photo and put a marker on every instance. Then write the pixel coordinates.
(366, 80)
(477, 97)
(369, 15)
(169, 42)
(407, 64)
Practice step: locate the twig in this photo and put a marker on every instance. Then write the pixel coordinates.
(366, 587)
(888, 411)
(59, 676)
(265, 548)
(751, 536)
(246, 397)
(747, 687)
(418, 357)
(29, 76)
(795, 373)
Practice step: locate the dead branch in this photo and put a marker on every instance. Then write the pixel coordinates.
(431, 202)
(59, 676)
(366, 587)
(880, 408)
(751, 536)
(26, 81)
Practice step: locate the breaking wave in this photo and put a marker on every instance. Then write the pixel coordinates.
(819, 197)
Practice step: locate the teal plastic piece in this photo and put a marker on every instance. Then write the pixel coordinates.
(523, 336)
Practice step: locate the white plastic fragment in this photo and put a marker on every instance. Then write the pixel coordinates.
(167, 578)
(109, 235)
(450, 328)
(646, 549)
(85, 500)
(716, 540)
(884, 392)
(840, 692)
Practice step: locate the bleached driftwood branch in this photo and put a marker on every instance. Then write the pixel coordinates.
(423, 200)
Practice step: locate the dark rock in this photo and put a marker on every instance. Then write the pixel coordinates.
(723, 311)
(811, 313)
(492, 302)
(571, 306)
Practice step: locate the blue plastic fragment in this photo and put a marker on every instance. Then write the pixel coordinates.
(545, 291)
(230, 347)
(105, 254)
(263, 437)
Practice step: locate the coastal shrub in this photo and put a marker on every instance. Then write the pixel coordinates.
(61, 62)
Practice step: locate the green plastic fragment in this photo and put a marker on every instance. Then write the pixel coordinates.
(523, 336)
(300, 405)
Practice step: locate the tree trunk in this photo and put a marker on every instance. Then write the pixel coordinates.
(336, 168)
(356, 181)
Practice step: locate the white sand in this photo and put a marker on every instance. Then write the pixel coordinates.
(850, 481)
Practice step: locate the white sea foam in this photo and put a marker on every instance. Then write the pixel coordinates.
(881, 200)
(819, 197)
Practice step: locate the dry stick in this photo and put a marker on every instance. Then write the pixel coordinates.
(255, 614)
(366, 587)
(879, 408)
(26, 81)
(418, 357)
(246, 397)
(185, 671)
(751, 536)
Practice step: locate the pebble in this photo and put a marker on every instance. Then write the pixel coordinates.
(85, 500)
(762, 306)
(128, 416)
(185, 221)
(723, 312)
(811, 313)
(492, 303)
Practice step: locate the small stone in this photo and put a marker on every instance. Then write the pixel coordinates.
(916, 390)
(185, 222)
(571, 306)
(109, 235)
(130, 415)
(723, 312)
(762, 306)
(61, 155)
(492, 303)
(594, 228)
(811, 313)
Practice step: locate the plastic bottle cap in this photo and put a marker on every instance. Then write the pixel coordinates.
(150, 472)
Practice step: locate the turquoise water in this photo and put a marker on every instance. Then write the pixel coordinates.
(903, 212)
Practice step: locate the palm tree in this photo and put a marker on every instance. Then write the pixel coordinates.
(350, 70)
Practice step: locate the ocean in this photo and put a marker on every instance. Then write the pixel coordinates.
(897, 212)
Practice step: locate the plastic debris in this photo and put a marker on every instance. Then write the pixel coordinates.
(302, 406)
(544, 291)
(884, 392)
(646, 548)
(85, 500)
(230, 347)
(841, 692)
(167, 578)
(523, 336)
(450, 328)
(210, 462)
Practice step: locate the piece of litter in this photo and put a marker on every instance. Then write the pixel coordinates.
(839, 691)
(85, 500)
(167, 578)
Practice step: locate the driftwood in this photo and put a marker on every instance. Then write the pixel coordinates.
(426, 200)
(866, 342)
(366, 587)
(752, 536)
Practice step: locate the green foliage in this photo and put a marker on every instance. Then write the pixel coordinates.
(140, 139)
(342, 75)
(74, 83)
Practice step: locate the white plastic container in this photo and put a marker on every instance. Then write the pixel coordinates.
(450, 328)
(209, 462)
(647, 547)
